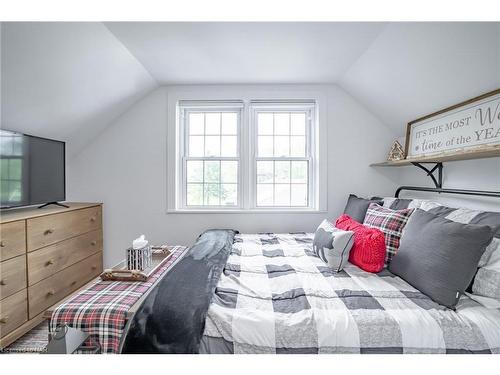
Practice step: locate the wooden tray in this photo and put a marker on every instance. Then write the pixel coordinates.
(160, 254)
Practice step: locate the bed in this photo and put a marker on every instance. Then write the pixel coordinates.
(270, 293)
(276, 296)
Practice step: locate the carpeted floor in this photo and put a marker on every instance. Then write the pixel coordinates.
(34, 341)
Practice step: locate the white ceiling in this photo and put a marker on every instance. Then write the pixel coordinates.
(66, 80)
(219, 53)
(413, 69)
(71, 80)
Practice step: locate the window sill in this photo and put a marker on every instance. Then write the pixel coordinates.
(247, 211)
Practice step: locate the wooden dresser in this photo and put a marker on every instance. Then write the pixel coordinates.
(45, 254)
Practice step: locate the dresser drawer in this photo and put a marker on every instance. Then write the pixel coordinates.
(12, 276)
(45, 262)
(12, 239)
(52, 289)
(13, 312)
(43, 231)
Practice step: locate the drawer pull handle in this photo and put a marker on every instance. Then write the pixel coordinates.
(48, 231)
(2, 282)
(92, 219)
(94, 268)
(4, 320)
(50, 293)
(93, 243)
(2, 244)
(49, 262)
(73, 283)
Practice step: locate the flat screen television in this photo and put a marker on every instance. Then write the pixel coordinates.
(32, 170)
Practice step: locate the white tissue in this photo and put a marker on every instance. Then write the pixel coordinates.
(139, 243)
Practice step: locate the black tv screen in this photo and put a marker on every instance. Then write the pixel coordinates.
(32, 170)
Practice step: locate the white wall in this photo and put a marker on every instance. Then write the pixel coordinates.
(126, 169)
(498, 54)
(413, 69)
(480, 174)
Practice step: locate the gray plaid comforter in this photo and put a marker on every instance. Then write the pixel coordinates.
(276, 296)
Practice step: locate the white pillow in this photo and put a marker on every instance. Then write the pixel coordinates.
(487, 280)
(333, 245)
(489, 303)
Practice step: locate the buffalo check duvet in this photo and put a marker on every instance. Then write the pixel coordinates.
(276, 296)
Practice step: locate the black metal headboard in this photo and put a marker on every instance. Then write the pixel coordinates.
(438, 182)
(480, 193)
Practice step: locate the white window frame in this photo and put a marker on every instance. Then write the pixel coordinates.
(206, 107)
(310, 154)
(246, 96)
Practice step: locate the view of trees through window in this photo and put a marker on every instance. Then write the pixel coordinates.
(282, 165)
(212, 182)
(212, 163)
(278, 163)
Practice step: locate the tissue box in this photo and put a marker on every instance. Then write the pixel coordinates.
(138, 259)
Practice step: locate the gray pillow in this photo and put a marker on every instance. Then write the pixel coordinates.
(486, 283)
(357, 207)
(333, 245)
(438, 256)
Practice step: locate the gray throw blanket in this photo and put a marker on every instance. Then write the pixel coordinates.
(172, 317)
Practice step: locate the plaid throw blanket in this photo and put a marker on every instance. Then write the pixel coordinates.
(101, 309)
(277, 296)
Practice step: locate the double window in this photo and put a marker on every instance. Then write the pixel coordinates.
(253, 155)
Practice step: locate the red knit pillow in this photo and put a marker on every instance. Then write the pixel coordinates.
(368, 251)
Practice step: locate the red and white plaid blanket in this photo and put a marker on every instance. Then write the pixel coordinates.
(101, 309)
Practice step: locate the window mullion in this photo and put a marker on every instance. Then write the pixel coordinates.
(247, 161)
(203, 185)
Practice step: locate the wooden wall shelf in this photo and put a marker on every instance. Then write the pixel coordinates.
(489, 152)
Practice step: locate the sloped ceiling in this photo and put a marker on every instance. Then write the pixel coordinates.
(67, 80)
(219, 53)
(413, 69)
(71, 80)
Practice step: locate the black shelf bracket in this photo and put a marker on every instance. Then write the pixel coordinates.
(438, 167)
(438, 182)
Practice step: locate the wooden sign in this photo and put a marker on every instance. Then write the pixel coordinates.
(466, 126)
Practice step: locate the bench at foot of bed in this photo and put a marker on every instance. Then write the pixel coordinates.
(103, 308)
